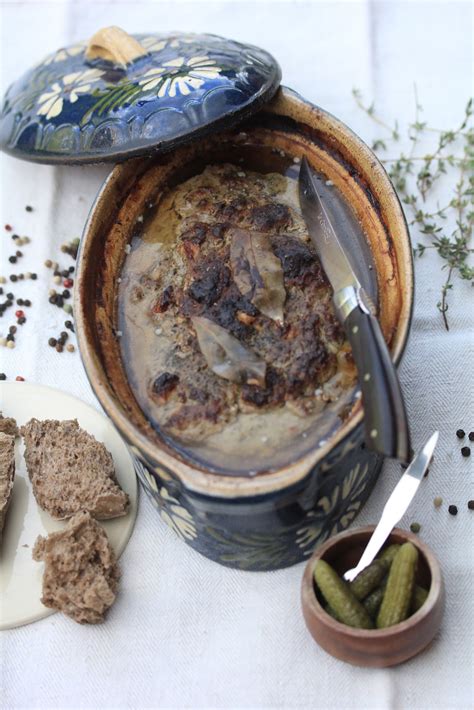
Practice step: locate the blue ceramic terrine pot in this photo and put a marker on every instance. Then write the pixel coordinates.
(158, 105)
(276, 518)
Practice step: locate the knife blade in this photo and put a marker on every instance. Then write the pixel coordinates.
(386, 425)
(396, 506)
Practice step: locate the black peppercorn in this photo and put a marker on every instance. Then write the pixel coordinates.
(66, 294)
(470, 504)
(27, 302)
(466, 451)
(10, 336)
(52, 299)
(21, 320)
(52, 342)
(12, 259)
(471, 436)
(460, 433)
(13, 277)
(34, 277)
(3, 376)
(29, 208)
(20, 301)
(12, 329)
(10, 296)
(452, 510)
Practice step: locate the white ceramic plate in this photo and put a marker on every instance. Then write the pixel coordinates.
(20, 575)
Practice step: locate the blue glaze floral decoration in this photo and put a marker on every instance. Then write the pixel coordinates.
(71, 109)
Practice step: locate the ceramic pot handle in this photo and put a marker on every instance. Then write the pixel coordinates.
(114, 45)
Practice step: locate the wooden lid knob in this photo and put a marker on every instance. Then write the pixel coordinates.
(114, 45)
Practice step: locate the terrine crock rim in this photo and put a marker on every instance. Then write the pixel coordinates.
(211, 483)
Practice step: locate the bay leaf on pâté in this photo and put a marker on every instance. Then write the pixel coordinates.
(257, 271)
(226, 356)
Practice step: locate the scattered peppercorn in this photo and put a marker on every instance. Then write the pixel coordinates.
(12, 259)
(13, 277)
(466, 451)
(460, 433)
(52, 342)
(471, 436)
(8, 228)
(19, 314)
(10, 337)
(48, 263)
(12, 329)
(68, 308)
(438, 502)
(68, 283)
(70, 348)
(19, 378)
(68, 324)
(10, 296)
(66, 293)
(415, 527)
(452, 510)
(470, 503)
(59, 348)
(33, 276)
(3, 376)
(27, 302)
(29, 208)
(10, 344)
(21, 320)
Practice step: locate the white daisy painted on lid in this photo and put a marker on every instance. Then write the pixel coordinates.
(152, 44)
(180, 76)
(70, 88)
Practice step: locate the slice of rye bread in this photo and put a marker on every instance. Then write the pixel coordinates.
(81, 574)
(8, 425)
(71, 471)
(7, 474)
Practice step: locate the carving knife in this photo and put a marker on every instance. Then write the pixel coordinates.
(396, 506)
(386, 425)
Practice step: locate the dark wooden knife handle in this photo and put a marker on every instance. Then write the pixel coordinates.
(386, 425)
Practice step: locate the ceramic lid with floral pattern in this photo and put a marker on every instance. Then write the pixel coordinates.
(119, 96)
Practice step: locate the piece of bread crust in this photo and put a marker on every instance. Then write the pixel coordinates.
(7, 474)
(71, 471)
(8, 425)
(81, 573)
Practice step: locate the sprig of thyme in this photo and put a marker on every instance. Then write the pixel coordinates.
(448, 227)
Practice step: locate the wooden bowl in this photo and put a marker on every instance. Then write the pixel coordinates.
(380, 647)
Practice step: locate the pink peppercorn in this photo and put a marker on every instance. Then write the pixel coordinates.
(68, 283)
(19, 378)
(19, 314)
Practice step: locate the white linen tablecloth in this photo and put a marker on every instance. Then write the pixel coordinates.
(186, 632)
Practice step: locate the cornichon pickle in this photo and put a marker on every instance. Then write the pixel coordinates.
(331, 612)
(389, 553)
(419, 597)
(369, 578)
(374, 600)
(398, 594)
(340, 598)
